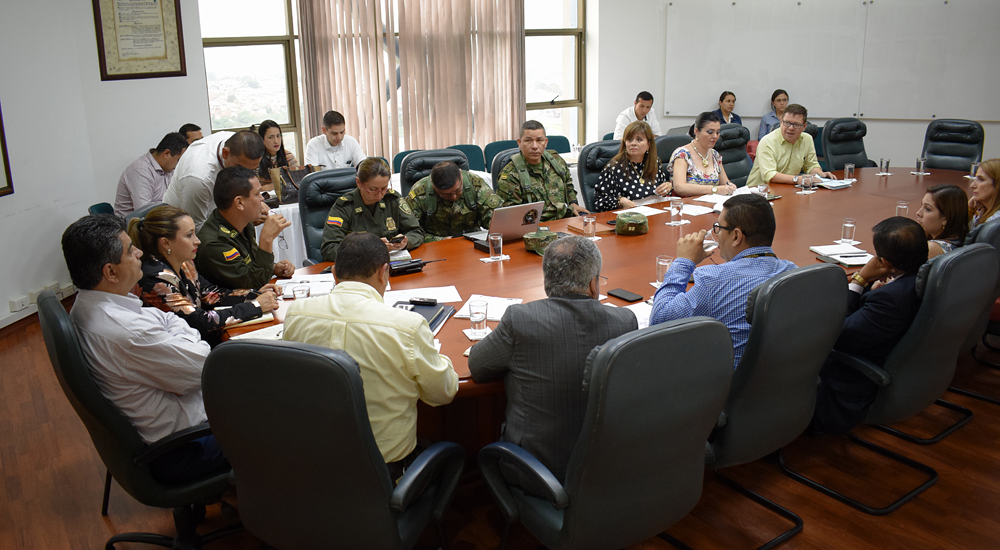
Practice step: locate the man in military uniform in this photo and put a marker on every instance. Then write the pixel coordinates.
(535, 174)
(229, 255)
(450, 202)
(371, 208)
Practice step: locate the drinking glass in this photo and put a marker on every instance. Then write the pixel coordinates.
(902, 208)
(921, 167)
(710, 244)
(662, 265)
(763, 189)
(300, 292)
(973, 170)
(676, 211)
(496, 246)
(883, 167)
(589, 227)
(807, 182)
(847, 231)
(477, 316)
(848, 171)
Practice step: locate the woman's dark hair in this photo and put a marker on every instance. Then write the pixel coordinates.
(373, 167)
(159, 222)
(702, 121)
(953, 204)
(776, 93)
(279, 158)
(651, 162)
(724, 94)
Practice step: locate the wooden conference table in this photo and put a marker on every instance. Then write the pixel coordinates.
(473, 419)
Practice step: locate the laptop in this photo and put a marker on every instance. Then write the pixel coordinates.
(512, 221)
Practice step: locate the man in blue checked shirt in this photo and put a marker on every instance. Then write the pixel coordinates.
(744, 231)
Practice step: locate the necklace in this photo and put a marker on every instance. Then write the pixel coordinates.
(642, 181)
(704, 159)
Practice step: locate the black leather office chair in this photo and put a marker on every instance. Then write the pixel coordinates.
(638, 465)
(666, 145)
(418, 164)
(773, 394)
(844, 143)
(397, 160)
(732, 145)
(474, 154)
(101, 208)
(953, 144)
(292, 420)
(143, 210)
(500, 159)
(118, 443)
(607, 136)
(593, 158)
(317, 192)
(984, 326)
(953, 288)
(492, 149)
(559, 144)
(817, 134)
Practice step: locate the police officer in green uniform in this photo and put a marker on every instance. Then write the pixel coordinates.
(535, 174)
(371, 208)
(451, 202)
(229, 254)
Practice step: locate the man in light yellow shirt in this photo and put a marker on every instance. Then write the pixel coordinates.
(394, 347)
(783, 155)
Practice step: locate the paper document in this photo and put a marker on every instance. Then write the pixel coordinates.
(495, 306)
(642, 311)
(266, 318)
(315, 289)
(646, 210)
(314, 278)
(272, 332)
(695, 210)
(400, 255)
(714, 199)
(836, 249)
(835, 184)
(652, 199)
(442, 294)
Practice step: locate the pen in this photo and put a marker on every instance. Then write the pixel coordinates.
(852, 255)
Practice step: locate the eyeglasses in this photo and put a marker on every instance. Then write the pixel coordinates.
(716, 227)
(282, 243)
(794, 125)
(602, 280)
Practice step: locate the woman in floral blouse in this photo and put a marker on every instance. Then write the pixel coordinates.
(170, 282)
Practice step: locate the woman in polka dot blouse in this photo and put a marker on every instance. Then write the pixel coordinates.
(634, 173)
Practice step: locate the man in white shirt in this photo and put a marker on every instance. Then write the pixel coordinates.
(394, 347)
(145, 361)
(145, 181)
(193, 182)
(334, 148)
(642, 110)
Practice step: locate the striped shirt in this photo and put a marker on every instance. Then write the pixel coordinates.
(145, 361)
(719, 291)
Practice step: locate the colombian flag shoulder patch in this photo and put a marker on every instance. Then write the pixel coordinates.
(333, 220)
(231, 254)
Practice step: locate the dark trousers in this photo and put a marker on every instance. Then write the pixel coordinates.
(842, 398)
(193, 460)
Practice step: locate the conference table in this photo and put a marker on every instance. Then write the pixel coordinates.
(473, 419)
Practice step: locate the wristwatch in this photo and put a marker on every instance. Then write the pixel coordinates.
(715, 190)
(857, 278)
(795, 179)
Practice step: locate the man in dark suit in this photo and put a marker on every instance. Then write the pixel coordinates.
(541, 348)
(878, 315)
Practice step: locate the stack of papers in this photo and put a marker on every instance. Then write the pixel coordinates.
(695, 210)
(714, 199)
(400, 255)
(835, 184)
(652, 199)
(495, 307)
(442, 294)
(319, 284)
(844, 254)
(642, 311)
(272, 332)
(266, 318)
(646, 210)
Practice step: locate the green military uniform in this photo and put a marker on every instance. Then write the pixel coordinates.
(231, 258)
(441, 219)
(349, 214)
(549, 181)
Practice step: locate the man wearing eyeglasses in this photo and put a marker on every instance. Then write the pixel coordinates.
(744, 232)
(782, 156)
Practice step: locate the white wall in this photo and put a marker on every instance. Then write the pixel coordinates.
(70, 135)
(629, 56)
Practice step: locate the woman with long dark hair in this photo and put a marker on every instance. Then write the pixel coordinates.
(634, 173)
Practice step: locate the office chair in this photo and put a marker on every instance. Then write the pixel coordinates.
(626, 480)
(593, 158)
(143, 210)
(953, 144)
(843, 142)
(474, 154)
(492, 149)
(317, 193)
(398, 159)
(500, 160)
(418, 164)
(773, 394)
(559, 144)
(118, 443)
(101, 208)
(953, 288)
(292, 420)
(607, 136)
(732, 145)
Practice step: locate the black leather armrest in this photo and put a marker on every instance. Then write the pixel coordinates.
(514, 455)
(443, 460)
(169, 443)
(871, 370)
(307, 262)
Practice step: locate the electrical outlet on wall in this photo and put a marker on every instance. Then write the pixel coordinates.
(54, 286)
(67, 291)
(33, 294)
(17, 303)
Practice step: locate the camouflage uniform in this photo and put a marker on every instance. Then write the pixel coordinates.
(441, 219)
(231, 258)
(349, 214)
(550, 181)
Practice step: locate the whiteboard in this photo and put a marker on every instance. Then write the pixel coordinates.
(932, 59)
(814, 49)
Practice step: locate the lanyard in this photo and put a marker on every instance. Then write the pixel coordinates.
(762, 255)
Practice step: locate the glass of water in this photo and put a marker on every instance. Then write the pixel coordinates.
(902, 208)
(496, 246)
(848, 171)
(676, 211)
(847, 231)
(973, 170)
(589, 227)
(763, 189)
(883, 167)
(662, 265)
(921, 167)
(710, 244)
(477, 315)
(807, 182)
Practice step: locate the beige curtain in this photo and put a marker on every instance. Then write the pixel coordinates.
(460, 62)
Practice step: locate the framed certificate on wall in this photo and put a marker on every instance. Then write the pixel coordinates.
(139, 38)
(6, 185)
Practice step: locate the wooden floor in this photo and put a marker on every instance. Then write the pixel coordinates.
(50, 489)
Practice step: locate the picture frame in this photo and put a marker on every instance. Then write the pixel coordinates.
(139, 39)
(8, 184)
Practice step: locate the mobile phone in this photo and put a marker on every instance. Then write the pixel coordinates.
(624, 295)
(612, 222)
(396, 239)
(423, 301)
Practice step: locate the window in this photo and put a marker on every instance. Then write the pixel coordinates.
(554, 66)
(251, 64)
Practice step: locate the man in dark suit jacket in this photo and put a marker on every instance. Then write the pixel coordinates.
(878, 315)
(540, 348)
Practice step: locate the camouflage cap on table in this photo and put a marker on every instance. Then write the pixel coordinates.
(538, 240)
(631, 223)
